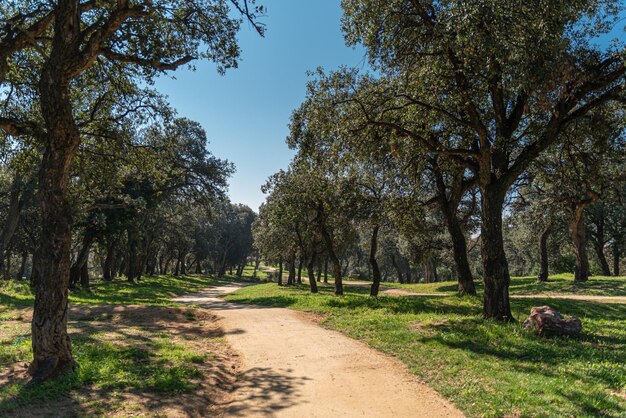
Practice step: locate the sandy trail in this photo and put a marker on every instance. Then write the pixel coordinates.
(294, 368)
(394, 291)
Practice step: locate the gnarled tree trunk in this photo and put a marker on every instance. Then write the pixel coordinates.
(496, 302)
(52, 352)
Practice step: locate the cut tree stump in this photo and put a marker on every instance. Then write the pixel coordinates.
(546, 321)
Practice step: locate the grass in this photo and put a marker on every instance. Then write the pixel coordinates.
(113, 356)
(557, 284)
(161, 366)
(485, 368)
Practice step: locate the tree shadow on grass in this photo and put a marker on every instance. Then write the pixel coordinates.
(152, 352)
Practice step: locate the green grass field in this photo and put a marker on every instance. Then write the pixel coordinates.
(485, 368)
(118, 349)
(558, 284)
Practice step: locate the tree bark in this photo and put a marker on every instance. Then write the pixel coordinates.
(84, 274)
(134, 265)
(597, 236)
(374, 263)
(22, 270)
(107, 267)
(464, 276)
(292, 269)
(395, 264)
(326, 270)
(578, 236)
(334, 260)
(300, 263)
(52, 352)
(496, 304)
(13, 216)
(616, 255)
(543, 254)
(604, 264)
(81, 260)
(280, 271)
(319, 269)
(449, 207)
(311, 272)
(430, 270)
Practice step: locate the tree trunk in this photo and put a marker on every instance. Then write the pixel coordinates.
(107, 267)
(395, 264)
(334, 260)
(604, 265)
(449, 207)
(81, 260)
(183, 267)
(300, 263)
(166, 266)
(374, 263)
(578, 235)
(52, 352)
(84, 274)
(240, 270)
(34, 272)
(311, 271)
(598, 220)
(496, 303)
(326, 270)
(292, 269)
(22, 270)
(543, 254)
(464, 276)
(7, 272)
(430, 270)
(616, 256)
(280, 271)
(134, 265)
(319, 269)
(177, 268)
(13, 217)
(257, 261)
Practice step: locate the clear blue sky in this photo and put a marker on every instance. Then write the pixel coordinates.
(246, 112)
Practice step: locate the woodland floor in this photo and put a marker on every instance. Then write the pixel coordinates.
(173, 347)
(139, 354)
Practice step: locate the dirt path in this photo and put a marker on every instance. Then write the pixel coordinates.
(394, 291)
(294, 368)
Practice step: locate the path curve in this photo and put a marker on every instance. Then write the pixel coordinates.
(295, 368)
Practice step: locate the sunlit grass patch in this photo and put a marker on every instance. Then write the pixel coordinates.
(485, 368)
